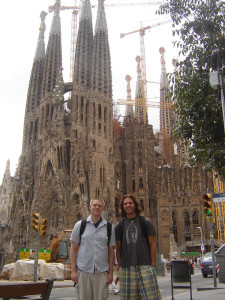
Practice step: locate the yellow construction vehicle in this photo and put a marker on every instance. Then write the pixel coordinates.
(60, 246)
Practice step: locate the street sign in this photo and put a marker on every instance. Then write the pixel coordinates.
(44, 254)
(220, 197)
(24, 253)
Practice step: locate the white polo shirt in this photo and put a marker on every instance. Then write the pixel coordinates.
(93, 252)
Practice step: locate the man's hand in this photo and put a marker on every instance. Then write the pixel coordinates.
(110, 278)
(74, 276)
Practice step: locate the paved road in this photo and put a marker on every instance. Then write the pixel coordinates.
(165, 287)
(64, 290)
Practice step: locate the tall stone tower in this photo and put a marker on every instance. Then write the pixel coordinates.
(67, 155)
(74, 150)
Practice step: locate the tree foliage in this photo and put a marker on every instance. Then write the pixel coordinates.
(198, 28)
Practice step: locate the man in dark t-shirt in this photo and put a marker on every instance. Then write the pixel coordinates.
(136, 253)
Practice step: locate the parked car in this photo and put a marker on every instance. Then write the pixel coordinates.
(206, 265)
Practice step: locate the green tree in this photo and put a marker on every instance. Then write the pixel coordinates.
(198, 28)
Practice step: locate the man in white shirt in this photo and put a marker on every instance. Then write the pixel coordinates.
(92, 265)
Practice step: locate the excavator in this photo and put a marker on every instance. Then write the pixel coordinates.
(60, 246)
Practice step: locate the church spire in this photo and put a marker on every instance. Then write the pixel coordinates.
(101, 69)
(140, 102)
(101, 24)
(84, 47)
(165, 101)
(33, 95)
(53, 60)
(129, 108)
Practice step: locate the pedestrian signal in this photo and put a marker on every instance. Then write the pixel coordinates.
(208, 204)
(43, 227)
(35, 221)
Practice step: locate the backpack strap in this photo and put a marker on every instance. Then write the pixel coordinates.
(82, 227)
(109, 231)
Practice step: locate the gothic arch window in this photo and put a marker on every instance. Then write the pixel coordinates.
(117, 207)
(141, 185)
(133, 186)
(142, 204)
(35, 130)
(105, 114)
(82, 188)
(97, 192)
(102, 174)
(60, 156)
(139, 165)
(99, 111)
(49, 170)
(87, 112)
(30, 132)
(139, 144)
(187, 230)
(133, 166)
(195, 218)
(68, 149)
(174, 226)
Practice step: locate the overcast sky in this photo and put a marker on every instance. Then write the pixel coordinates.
(20, 21)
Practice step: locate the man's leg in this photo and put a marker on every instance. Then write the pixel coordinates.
(147, 283)
(100, 288)
(128, 284)
(84, 287)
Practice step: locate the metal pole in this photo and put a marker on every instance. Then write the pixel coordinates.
(212, 249)
(221, 81)
(36, 255)
(202, 246)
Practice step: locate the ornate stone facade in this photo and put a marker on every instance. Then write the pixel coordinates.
(74, 151)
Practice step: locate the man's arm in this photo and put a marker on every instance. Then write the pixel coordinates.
(111, 264)
(73, 260)
(151, 240)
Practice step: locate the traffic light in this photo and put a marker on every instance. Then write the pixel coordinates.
(35, 221)
(43, 227)
(208, 204)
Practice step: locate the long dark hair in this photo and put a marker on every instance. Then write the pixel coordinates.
(136, 203)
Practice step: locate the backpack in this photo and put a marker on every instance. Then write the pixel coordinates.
(142, 225)
(109, 229)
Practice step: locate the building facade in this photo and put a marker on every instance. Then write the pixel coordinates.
(74, 150)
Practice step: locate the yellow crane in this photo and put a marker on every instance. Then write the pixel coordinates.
(155, 104)
(219, 208)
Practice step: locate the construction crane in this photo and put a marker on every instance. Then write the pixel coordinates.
(219, 208)
(75, 16)
(141, 31)
(155, 104)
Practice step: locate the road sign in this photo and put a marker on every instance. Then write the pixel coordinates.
(24, 253)
(45, 254)
(219, 197)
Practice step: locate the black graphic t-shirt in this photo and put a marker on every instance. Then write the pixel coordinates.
(135, 247)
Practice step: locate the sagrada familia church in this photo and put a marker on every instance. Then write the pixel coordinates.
(75, 150)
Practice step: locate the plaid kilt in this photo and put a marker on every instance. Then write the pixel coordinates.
(139, 282)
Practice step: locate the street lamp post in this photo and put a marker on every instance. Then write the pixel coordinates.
(202, 245)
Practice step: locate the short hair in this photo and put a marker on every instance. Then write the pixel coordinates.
(92, 200)
(138, 209)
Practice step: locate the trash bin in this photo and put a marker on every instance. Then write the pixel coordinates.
(180, 273)
(220, 259)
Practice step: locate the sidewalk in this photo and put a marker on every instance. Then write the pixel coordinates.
(208, 293)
